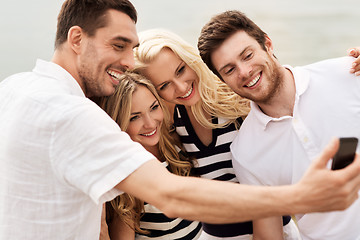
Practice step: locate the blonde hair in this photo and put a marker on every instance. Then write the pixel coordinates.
(118, 107)
(217, 99)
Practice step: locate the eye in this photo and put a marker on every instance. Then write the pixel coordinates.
(134, 118)
(119, 47)
(156, 106)
(162, 87)
(181, 70)
(249, 56)
(229, 71)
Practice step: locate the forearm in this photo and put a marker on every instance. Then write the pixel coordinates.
(119, 230)
(206, 200)
(220, 202)
(270, 228)
(104, 233)
(223, 202)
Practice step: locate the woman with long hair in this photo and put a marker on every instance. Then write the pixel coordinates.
(139, 111)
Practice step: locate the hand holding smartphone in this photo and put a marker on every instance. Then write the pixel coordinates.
(346, 153)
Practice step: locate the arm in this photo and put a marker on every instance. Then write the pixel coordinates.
(116, 229)
(194, 198)
(119, 230)
(104, 233)
(270, 228)
(355, 52)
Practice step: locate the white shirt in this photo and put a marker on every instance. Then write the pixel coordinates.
(277, 151)
(60, 157)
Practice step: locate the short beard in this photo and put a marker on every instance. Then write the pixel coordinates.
(91, 85)
(277, 83)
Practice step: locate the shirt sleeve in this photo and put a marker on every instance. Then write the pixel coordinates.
(92, 154)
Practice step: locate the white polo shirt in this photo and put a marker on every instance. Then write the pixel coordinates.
(60, 157)
(277, 151)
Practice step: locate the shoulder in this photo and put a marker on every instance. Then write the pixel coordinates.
(341, 64)
(248, 129)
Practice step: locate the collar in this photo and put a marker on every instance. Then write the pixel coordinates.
(53, 70)
(301, 78)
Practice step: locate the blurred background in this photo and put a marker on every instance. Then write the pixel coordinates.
(302, 31)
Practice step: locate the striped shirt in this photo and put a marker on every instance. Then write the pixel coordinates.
(162, 227)
(212, 162)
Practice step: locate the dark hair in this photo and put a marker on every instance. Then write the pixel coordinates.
(220, 28)
(89, 15)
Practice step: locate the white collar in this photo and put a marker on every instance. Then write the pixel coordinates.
(301, 78)
(53, 70)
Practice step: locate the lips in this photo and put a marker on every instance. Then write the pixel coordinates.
(253, 82)
(188, 93)
(115, 76)
(149, 134)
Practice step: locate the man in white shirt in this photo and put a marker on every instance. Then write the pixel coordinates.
(294, 113)
(62, 157)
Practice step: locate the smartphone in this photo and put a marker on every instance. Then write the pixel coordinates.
(346, 153)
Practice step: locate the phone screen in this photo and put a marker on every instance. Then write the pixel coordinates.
(346, 153)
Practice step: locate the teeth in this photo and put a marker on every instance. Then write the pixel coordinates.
(188, 93)
(254, 81)
(114, 74)
(149, 134)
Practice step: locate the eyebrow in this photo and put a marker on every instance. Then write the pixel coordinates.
(242, 52)
(136, 113)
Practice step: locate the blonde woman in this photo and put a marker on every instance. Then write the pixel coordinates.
(139, 111)
(206, 113)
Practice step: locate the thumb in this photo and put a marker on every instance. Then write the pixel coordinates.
(328, 152)
(353, 52)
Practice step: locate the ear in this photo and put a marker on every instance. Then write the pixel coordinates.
(74, 39)
(269, 45)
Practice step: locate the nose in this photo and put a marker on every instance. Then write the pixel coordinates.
(245, 70)
(181, 86)
(149, 121)
(127, 60)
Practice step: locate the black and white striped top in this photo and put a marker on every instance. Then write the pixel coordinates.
(213, 162)
(162, 227)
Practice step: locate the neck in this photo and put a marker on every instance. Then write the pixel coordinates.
(282, 104)
(67, 60)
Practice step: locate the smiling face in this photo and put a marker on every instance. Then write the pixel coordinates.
(145, 119)
(106, 55)
(174, 80)
(248, 69)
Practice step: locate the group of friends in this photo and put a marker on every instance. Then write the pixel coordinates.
(143, 136)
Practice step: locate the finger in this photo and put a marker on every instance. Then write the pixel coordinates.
(354, 52)
(355, 68)
(328, 152)
(352, 172)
